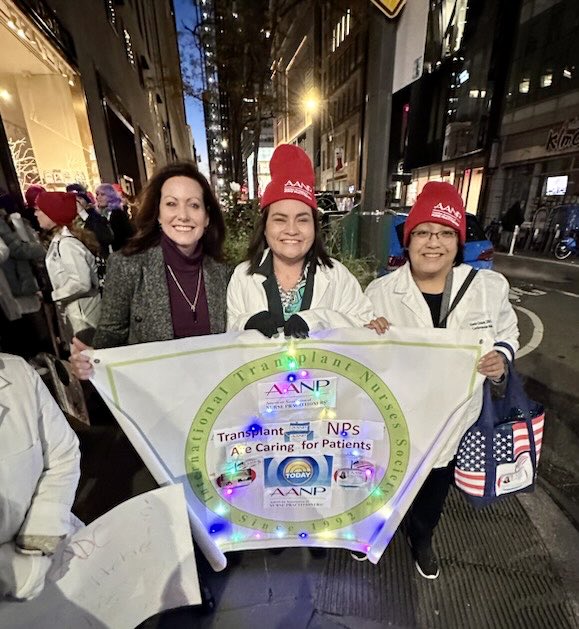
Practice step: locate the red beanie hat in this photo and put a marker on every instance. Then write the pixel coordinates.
(438, 202)
(32, 194)
(58, 206)
(292, 177)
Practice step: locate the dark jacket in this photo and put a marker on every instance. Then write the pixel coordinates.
(100, 227)
(122, 228)
(136, 307)
(17, 268)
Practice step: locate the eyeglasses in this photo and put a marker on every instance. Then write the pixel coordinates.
(446, 235)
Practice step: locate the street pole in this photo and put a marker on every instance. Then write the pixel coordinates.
(333, 145)
(378, 111)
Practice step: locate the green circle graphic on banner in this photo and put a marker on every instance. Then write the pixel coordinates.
(199, 436)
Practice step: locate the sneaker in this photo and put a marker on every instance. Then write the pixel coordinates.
(426, 562)
(358, 556)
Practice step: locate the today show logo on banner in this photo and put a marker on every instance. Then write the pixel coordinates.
(323, 441)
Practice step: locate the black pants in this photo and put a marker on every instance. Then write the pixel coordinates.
(425, 512)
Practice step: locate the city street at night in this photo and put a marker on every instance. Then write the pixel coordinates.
(289, 314)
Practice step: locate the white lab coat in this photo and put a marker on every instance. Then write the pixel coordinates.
(485, 306)
(337, 300)
(39, 473)
(73, 274)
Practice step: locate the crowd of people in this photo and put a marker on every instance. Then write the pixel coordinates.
(166, 279)
(54, 254)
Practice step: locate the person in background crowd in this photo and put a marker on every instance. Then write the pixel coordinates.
(70, 260)
(289, 281)
(22, 331)
(418, 295)
(89, 218)
(39, 474)
(31, 195)
(513, 217)
(109, 205)
(169, 281)
(9, 308)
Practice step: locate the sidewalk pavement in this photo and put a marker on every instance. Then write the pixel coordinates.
(511, 565)
(562, 268)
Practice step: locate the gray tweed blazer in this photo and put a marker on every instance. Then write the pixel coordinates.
(135, 305)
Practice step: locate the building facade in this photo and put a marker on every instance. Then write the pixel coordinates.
(89, 92)
(445, 125)
(539, 156)
(344, 50)
(319, 78)
(297, 81)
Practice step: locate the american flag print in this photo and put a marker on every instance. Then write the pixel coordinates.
(538, 423)
(511, 451)
(512, 439)
(469, 472)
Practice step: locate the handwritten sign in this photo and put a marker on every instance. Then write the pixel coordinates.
(132, 563)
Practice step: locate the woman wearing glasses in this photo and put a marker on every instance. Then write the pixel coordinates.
(418, 295)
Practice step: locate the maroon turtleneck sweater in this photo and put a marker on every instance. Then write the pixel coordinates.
(188, 270)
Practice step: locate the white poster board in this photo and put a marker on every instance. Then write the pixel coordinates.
(133, 562)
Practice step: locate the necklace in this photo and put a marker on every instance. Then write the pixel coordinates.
(292, 295)
(192, 306)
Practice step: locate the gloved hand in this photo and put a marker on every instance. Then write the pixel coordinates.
(264, 322)
(21, 576)
(295, 326)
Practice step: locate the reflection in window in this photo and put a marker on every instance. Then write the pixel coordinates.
(547, 79)
(524, 85)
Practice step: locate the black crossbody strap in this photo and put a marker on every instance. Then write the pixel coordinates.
(459, 296)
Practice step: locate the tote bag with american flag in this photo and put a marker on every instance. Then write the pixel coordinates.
(499, 454)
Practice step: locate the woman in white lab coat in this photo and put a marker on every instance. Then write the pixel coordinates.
(419, 295)
(289, 282)
(70, 261)
(39, 473)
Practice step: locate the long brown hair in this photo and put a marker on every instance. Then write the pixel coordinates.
(146, 219)
(258, 244)
(85, 236)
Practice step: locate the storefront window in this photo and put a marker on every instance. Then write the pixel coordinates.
(43, 111)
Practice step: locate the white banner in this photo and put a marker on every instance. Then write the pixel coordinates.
(323, 441)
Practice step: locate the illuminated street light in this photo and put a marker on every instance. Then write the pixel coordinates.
(311, 103)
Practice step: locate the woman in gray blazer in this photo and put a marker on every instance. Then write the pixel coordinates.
(168, 281)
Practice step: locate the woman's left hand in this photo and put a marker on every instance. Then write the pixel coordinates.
(492, 365)
(380, 325)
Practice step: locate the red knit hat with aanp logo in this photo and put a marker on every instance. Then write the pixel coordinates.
(292, 177)
(58, 206)
(438, 202)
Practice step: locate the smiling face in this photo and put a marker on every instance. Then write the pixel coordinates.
(431, 256)
(182, 214)
(290, 230)
(44, 220)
